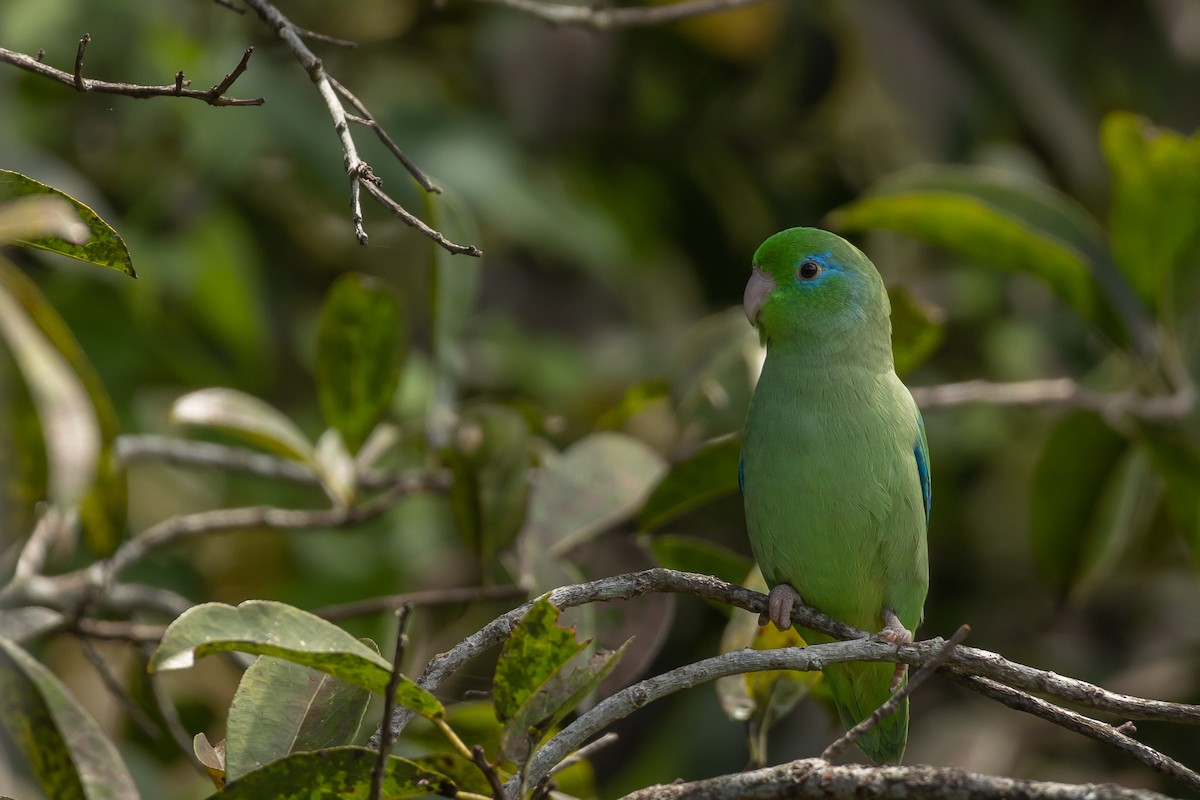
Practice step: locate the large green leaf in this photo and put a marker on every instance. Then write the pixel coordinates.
(1003, 220)
(597, 482)
(24, 473)
(490, 461)
(103, 247)
(537, 648)
(1070, 521)
(244, 416)
(104, 503)
(68, 754)
(268, 628)
(338, 773)
(1176, 458)
(281, 708)
(1154, 220)
(707, 474)
(360, 350)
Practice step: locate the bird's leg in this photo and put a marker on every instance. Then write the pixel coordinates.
(895, 633)
(780, 602)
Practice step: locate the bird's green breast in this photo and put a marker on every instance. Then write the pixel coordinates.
(832, 491)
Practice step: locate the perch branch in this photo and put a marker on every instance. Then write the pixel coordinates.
(178, 88)
(360, 173)
(604, 17)
(1062, 392)
(816, 779)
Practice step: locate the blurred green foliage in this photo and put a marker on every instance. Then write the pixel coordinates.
(618, 184)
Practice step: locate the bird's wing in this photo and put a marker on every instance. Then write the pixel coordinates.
(921, 452)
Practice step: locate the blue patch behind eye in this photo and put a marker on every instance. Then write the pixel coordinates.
(827, 263)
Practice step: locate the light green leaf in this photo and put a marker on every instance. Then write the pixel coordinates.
(104, 505)
(916, 330)
(336, 467)
(211, 757)
(103, 247)
(338, 773)
(1000, 219)
(1069, 521)
(244, 416)
(597, 482)
(39, 216)
(68, 754)
(282, 708)
(1176, 458)
(24, 473)
(706, 475)
(268, 628)
(65, 412)
(360, 350)
(1154, 220)
(537, 648)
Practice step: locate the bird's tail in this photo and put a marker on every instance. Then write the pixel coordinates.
(860, 688)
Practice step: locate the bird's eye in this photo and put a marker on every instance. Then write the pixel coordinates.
(809, 270)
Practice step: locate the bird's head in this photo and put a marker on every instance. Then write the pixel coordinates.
(810, 286)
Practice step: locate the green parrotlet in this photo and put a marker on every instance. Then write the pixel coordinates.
(835, 468)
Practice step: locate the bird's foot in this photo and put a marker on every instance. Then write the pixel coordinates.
(895, 633)
(780, 602)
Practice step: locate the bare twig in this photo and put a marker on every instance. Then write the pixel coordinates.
(584, 752)
(170, 716)
(1062, 392)
(432, 597)
(359, 172)
(604, 17)
(118, 630)
(479, 759)
(816, 779)
(214, 96)
(838, 746)
(142, 447)
(117, 691)
(389, 702)
(1086, 726)
(366, 118)
(36, 550)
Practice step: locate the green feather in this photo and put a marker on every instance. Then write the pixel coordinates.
(833, 490)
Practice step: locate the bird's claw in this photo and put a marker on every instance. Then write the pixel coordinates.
(895, 633)
(780, 602)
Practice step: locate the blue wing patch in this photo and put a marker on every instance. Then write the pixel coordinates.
(921, 452)
(742, 476)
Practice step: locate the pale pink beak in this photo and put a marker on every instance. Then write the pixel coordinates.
(757, 288)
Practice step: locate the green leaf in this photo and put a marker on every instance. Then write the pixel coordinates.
(268, 628)
(1000, 219)
(1069, 521)
(490, 464)
(597, 482)
(1176, 458)
(24, 473)
(556, 698)
(336, 467)
(916, 330)
(465, 774)
(689, 554)
(65, 412)
(707, 474)
(39, 216)
(1154, 220)
(104, 505)
(103, 247)
(537, 648)
(245, 417)
(282, 708)
(339, 773)
(360, 350)
(68, 754)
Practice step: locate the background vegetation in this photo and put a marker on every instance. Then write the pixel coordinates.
(618, 183)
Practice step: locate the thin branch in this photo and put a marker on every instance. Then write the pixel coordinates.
(170, 716)
(604, 17)
(389, 702)
(49, 528)
(118, 631)
(1062, 392)
(118, 693)
(366, 118)
(1081, 724)
(359, 172)
(214, 96)
(142, 447)
(479, 759)
(584, 752)
(838, 746)
(816, 779)
(432, 597)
